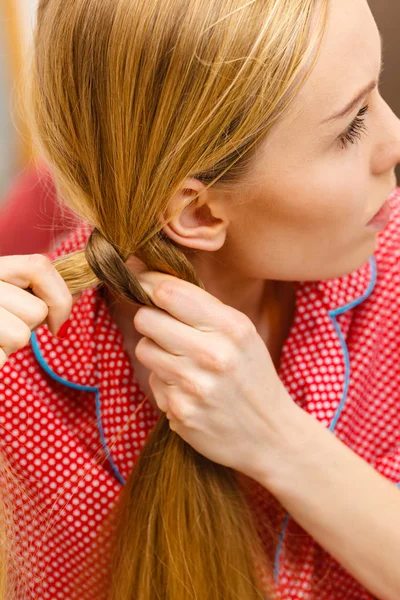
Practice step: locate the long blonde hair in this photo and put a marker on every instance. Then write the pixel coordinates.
(127, 98)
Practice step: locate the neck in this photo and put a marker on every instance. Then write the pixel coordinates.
(268, 304)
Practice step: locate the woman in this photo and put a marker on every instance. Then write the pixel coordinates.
(185, 449)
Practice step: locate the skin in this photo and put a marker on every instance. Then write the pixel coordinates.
(301, 213)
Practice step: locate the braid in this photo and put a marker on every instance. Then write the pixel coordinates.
(145, 514)
(108, 263)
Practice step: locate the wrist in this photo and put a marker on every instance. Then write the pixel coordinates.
(295, 439)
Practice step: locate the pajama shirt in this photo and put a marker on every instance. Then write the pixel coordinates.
(73, 420)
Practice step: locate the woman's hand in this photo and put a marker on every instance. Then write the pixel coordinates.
(22, 311)
(212, 374)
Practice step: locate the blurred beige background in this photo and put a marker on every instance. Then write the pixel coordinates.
(387, 15)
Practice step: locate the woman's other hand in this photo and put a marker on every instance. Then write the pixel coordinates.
(32, 293)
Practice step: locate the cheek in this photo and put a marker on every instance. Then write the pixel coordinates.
(308, 221)
(333, 194)
(299, 243)
(347, 179)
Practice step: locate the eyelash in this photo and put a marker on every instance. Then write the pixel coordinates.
(355, 129)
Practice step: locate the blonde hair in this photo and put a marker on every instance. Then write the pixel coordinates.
(126, 99)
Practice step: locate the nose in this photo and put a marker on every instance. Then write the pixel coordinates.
(386, 151)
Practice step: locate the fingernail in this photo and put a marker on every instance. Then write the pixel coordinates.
(62, 334)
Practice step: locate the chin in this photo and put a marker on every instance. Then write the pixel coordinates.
(362, 259)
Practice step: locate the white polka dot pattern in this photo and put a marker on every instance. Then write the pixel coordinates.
(340, 363)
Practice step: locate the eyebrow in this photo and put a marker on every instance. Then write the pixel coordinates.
(348, 109)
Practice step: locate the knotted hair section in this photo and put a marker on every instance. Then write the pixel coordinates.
(159, 253)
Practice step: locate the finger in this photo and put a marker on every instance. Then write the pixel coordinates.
(37, 272)
(177, 410)
(14, 333)
(160, 399)
(159, 361)
(172, 335)
(185, 301)
(75, 299)
(24, 305)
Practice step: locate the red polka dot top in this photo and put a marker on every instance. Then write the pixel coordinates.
(73, 421)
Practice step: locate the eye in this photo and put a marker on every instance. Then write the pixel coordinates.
(355, 130)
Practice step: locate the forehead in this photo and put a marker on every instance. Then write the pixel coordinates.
(348, 60)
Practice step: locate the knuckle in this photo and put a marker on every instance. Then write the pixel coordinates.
(40, 262)
(163, 291)
(224, 363)
(240, 327)
(179, 410)
(192, 387)
(206, 388)
(218, 360)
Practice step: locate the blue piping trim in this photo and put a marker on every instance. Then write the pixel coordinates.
(333, 314)
(81, 388)
(279, 548)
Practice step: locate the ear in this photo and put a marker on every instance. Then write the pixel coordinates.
(199, 223)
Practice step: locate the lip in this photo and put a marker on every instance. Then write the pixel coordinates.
(381, 218)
